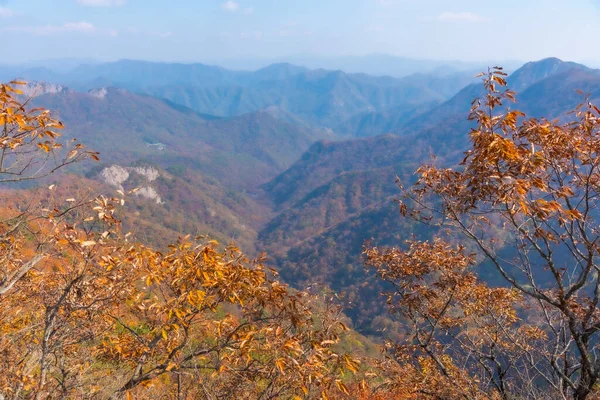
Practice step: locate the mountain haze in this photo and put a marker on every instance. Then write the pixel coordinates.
(285, 159)
(341, 194)
(241, 151)
(351, 104)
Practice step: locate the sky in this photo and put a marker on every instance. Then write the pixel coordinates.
(212, 30)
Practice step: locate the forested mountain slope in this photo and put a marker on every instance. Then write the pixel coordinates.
(269, 181)
(323, 98)
(338, 195)
(125, 127)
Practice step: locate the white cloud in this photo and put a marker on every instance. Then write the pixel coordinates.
(234, 7)
(101, 3)
(460, 17)
(231, 6)
(6, 12)
(78, 27)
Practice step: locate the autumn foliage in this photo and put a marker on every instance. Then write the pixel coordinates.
(523, 207)
(500, 303)
(89, 313)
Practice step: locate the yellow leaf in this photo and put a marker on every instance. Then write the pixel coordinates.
(342, 387)
(351, 364)
(363, 385)
(44, 147)
(280, 365)
(171, 367)
(72, 154)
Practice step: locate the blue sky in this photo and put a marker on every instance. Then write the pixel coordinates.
(210, 30)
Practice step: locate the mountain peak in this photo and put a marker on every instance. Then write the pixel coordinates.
(548, 61)
(535, 71)
(279, 71)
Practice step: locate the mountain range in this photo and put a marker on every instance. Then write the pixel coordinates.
(242, 151)
(329, 99)
(296, 162)
(339, 195)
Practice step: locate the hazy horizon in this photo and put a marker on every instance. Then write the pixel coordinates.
(218, 31)
(252, 63)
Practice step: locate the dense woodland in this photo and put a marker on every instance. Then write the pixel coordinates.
(257, 237)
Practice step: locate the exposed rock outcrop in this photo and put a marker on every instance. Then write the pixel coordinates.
(34, 89)
(117, 176)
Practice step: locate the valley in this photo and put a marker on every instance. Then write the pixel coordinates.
(299, 200)
(301, 164)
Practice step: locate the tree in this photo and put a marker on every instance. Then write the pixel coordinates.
(29, 146)
(88, 312)
(29, 150)
(212, 320)
(525, 203)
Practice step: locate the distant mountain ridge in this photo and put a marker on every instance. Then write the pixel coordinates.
(320, 97)
(372, 64)
(551, 72)
(340, 194)
(329, 99)
(535, 71)
(241, 151)
(308, 196)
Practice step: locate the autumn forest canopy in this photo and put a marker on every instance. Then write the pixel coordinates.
(182, 231)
